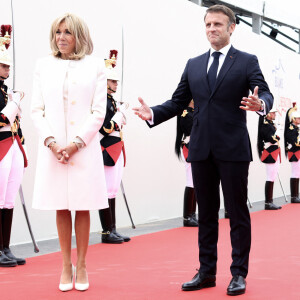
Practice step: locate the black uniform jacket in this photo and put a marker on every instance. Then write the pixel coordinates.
(291, 137)
(111, 145)
(267, 134)
(219, 125)
(186, 124)
(7, 137)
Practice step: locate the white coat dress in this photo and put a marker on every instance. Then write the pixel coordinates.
(80, 184)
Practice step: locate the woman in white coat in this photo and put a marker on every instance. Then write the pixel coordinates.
(68, 108)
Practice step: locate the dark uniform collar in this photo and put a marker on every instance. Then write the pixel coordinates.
(269, 121)
(294, 126)
(1, 83)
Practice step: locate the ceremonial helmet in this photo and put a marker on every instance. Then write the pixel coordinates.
(293, 112)
(273, 110)
(110, 64)
(4, 44)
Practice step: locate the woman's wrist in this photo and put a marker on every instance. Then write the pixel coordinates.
(75, 145)
(51, 145)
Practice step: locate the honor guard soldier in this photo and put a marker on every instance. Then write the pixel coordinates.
(269, 153)
(12, 154)
(113, 153)
(184, 127)
(292, 149)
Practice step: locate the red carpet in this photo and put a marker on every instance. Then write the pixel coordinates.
(153, 266)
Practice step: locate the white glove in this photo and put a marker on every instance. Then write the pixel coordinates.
(119, 118)
(123, 107)
(14, 96)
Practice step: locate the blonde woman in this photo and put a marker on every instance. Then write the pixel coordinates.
(68, 108)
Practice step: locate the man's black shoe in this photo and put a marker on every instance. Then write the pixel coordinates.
(199, 281)
(271, 206)
(237, 286)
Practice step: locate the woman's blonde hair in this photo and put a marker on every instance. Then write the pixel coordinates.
(79, 29)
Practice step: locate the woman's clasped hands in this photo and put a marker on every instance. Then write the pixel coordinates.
(63, 154)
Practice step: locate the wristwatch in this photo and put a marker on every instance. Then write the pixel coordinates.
(262, 105)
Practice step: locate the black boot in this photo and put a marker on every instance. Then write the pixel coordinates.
(4, 260)
(8, 253)
(189, 207)
(112, 205)
(108, 237)
(269, 205)
(294, 190)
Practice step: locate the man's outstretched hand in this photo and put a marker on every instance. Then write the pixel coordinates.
(144, 111)
(252, 102)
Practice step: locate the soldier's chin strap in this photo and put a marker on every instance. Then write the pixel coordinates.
(4, 78)
(111, 89)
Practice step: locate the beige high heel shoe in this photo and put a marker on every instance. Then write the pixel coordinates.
(64, 287)
(81, 286)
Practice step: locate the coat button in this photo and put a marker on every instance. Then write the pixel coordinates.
(73, 102)
(72, 123)
(72, 163)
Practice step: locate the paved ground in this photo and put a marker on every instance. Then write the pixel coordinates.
(49, 246)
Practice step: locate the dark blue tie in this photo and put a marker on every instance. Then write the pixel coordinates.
(212, 72)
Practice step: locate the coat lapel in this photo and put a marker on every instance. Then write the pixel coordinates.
(204, 63)
(228, 62)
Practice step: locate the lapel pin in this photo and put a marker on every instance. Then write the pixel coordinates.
(230, 56)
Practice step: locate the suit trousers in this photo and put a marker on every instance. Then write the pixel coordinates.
(233, 175)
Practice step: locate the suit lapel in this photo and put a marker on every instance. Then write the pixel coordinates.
(228, 62)
(204, 63)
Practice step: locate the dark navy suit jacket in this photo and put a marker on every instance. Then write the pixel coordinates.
(219, 125)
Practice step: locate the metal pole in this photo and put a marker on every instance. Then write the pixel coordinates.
(13, 32)
(286, 200)
(250, 204)
(36, 248)
(123, 191)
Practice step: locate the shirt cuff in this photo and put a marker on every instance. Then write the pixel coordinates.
(262, 112)
(151, 122)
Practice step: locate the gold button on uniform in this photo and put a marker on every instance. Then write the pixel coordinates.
(71, 163)
(72, 123)
(73, 102)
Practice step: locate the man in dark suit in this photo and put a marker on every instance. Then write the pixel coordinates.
(219, 82)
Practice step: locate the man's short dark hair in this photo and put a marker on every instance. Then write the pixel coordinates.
(222, 9)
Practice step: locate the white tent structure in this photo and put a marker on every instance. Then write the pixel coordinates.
(159, 37)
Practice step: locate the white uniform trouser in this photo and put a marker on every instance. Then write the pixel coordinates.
(188, 172)
(113, 176)
(11, 174)
(272, 170)
(295, 166)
